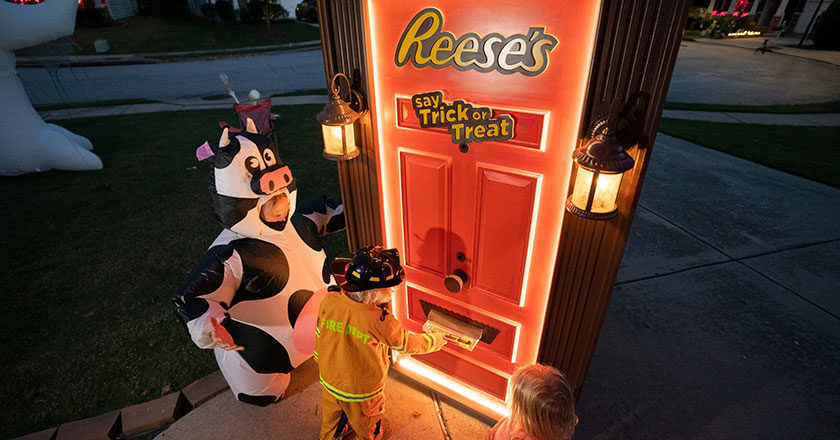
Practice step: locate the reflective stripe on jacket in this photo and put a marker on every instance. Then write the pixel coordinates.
(351, 346)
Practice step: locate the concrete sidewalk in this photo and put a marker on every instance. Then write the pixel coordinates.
(724, 322)
(782, 46)
(810, 119)
(721, 74)
(413, 412)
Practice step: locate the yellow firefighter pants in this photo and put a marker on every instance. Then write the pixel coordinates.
(364, 417)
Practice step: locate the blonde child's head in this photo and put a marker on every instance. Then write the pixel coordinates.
(372, 296)
(541, 403)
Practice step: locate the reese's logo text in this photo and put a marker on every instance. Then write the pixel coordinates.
(424, 43)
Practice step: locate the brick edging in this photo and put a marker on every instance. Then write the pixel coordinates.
(140, 418)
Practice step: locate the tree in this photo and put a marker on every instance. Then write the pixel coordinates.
(266, 10)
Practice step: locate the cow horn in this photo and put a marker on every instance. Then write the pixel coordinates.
(225, 140)
(252, 128)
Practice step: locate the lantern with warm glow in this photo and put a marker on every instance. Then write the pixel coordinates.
(601, 163)
(337, 120)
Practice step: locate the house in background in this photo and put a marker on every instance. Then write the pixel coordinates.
(793, 15)
(195, 5)
(116, 9)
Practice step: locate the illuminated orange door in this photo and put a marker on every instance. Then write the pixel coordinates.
(492, 210)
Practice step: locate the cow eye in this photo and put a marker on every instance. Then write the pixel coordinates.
(252, 164)
(269, 158)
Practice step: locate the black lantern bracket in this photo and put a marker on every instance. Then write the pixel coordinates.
(624, 121)
(356, 99)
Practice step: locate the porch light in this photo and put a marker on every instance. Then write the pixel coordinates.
(337, 120)
(600, 166)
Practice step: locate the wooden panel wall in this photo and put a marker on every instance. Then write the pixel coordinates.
(636, 50)
(342, 37)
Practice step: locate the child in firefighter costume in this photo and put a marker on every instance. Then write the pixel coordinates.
(250, 295)
(352, 339)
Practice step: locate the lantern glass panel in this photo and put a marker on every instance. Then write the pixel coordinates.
(333, 137)
(583, 181)
(606, 191)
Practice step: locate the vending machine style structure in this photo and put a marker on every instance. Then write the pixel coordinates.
(474, 112)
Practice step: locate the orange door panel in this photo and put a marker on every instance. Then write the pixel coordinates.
(491, 209)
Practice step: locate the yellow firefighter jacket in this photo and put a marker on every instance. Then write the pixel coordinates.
(351, 346)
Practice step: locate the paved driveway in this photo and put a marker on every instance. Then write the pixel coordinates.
(716, 74)
(725, 320)
(279, 72)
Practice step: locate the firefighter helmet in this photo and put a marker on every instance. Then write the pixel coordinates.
(373, 267)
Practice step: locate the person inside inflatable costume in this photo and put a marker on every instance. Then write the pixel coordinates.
(254, 295)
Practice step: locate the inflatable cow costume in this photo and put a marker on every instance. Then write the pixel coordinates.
(252, 297)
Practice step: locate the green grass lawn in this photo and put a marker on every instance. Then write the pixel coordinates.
(823, 107)
(92, 260)
(810, 152)
(174, 34)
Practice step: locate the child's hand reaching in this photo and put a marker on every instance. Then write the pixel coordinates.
(221, 337)
(439, 340)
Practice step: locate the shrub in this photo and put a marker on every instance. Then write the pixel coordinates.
(695, 18)
(224, 10)
(208, 11)
(265, 10)
(163, 8)
(827, 28)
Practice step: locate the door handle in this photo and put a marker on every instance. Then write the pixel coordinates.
(455, 282)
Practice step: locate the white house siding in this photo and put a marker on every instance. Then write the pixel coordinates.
(807, 12)
(122, 8)
(290, 5)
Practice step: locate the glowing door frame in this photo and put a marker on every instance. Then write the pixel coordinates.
(481, 401)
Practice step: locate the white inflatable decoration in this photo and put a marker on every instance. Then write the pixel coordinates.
(254, 296)
(29, 144)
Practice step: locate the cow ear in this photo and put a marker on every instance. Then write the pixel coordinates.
(204, 151)
(224, 140)
(252, 128)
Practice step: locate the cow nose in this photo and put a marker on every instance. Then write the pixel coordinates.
(273, 180)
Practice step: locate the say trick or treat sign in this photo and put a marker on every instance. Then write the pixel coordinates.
(465, 122)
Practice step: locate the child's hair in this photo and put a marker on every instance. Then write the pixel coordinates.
(541, 403)
(372, 296)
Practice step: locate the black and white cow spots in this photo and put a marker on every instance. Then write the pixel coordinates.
(258, 275)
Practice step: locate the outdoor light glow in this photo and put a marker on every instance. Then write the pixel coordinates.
(334, 143)
(743, 33)
(496, 406)
(606, 190)
(583, 181)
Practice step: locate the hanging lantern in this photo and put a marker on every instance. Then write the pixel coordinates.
(337, 120)
(600, 165)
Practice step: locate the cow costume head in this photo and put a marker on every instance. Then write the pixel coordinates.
(252, 192)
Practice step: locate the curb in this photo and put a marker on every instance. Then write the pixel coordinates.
(163, 106)
(138, 419)
(159, 57)
(770, 50)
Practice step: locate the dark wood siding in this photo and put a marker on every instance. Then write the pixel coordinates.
(342, 36)
(636, 48)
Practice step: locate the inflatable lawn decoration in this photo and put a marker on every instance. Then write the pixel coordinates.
(30, 144)
(265, 274)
